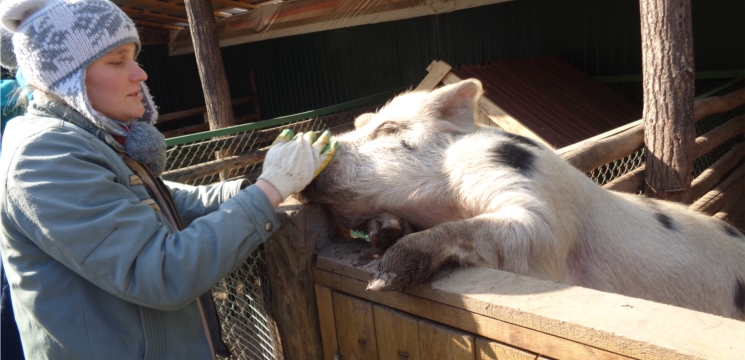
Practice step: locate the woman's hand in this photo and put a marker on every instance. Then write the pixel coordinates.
(293, 161)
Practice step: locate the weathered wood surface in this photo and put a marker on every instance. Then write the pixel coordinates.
(491, 350)
(733, 210)
(437, 71)
(397, 334)
(717, 136)
(593, 154)
(714, 173)
(325, 302)
(355, 327)
(548, 318)
(631, 182)
(289, 255)
(715, 199)
(441, 342)
(718, 104)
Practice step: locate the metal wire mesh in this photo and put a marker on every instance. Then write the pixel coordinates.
(617, 168)
(243, 296)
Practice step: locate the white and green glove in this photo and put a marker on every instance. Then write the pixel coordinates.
(293, 161)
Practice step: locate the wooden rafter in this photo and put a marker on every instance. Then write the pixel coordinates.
(157, 25)
(150, 14)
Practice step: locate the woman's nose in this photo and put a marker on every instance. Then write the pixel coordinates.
(138, 75)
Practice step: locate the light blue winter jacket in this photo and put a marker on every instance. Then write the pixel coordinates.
(94, 272)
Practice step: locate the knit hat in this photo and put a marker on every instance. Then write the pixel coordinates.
(54, 42)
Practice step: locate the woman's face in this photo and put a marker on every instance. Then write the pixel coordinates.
(113, 84)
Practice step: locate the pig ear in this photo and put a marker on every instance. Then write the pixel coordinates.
(456, 103)
(362, 120)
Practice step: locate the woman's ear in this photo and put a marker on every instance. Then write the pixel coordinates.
(456, 103)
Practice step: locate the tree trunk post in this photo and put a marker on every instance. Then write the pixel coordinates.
(202, 26)
(669, 132)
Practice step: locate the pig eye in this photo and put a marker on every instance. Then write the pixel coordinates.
(387, 128)
(406, 145)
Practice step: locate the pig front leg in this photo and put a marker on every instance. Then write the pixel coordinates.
(521, 243)
(385, 229)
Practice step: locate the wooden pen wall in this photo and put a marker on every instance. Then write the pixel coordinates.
(364, 330)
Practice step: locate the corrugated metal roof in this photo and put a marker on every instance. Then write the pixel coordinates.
(557, 101)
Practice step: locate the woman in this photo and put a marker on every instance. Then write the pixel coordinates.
(96, 248)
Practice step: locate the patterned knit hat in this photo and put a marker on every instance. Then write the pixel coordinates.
(55, 41)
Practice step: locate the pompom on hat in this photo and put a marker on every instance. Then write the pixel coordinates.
(55, 41)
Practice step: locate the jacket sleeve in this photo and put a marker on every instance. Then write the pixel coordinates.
(63, 194)
(195, 201)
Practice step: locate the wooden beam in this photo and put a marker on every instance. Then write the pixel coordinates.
(593, 154)
(156, 25)
(145, 13)
(287, 18)
(235, 4)
(714, 173)
(715, 199)
(548, 318)
(717, 136)
(718, 104)
(437, 71)
(668, 81)
(631, 182)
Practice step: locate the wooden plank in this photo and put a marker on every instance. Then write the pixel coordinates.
(355, 328)
(588, 318)
(492, 350)
(397, 334)
(326, 321)
(594, 154)
(437, 71)
(441, 342)
(466, 320)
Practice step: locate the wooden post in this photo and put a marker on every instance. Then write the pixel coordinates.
(209, 61)
(289, 257)
(202, 26)
(669, 133)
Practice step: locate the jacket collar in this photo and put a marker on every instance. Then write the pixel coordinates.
(43, 105)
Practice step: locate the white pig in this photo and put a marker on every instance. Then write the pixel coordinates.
(484, 197)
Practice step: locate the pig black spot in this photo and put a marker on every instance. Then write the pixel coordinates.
(523, 140)
(665, 220)
(739, 295)
(732, 231)
(514, 156)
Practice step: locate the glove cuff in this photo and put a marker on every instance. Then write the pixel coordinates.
(282, 183)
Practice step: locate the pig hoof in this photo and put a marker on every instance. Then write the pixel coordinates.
(381, 282)
(385, 229)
